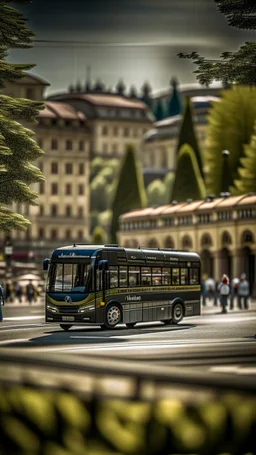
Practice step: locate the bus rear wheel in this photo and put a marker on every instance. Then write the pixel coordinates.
(66, 327)
(113, 315)
(177, 313)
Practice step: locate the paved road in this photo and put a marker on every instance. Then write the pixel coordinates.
(223, 343)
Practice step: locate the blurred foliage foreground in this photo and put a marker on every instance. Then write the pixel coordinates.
(47, 422)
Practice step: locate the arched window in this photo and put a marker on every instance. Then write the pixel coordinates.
(247, 236)
(206, 240)
(226, 238)
(152, 243)
(186, 242)
(169, 243)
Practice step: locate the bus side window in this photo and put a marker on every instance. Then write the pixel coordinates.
(175, 276)
(113, 275)
(134, 276)
(183, 276)
(166, 276)
(145, 276)
(194, 276)
(98, 280)
(123, 277)
(156, 276)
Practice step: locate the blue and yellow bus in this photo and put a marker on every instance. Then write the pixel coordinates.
(107, 285)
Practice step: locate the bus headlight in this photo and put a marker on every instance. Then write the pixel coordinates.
(52, 309)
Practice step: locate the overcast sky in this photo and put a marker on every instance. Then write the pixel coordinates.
(138, 39)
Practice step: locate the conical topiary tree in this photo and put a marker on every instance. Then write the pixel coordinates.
(188, 183)
(230, 126)
(174, 104)
(159, 110)
(17, 147)
(246, 181)
(130, 192)
(187, 134)
(146, 92)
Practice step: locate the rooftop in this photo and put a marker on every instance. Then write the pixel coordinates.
(101, 99)
(55, 109)
(193, 206)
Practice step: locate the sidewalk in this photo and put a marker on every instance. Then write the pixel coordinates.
(210, 308)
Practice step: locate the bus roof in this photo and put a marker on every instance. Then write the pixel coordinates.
(114, 253)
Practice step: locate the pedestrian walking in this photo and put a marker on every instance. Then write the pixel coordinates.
(243, 292)
(234, 292)
(18, 292)
(210, 290)
(30, 292)
(1, 302)
(224, 290)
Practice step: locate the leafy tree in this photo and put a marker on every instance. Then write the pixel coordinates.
(230, 126)
(98, 236)
(99, 199)
(168, 182)
(174, 105)
(17, 147)
(240, 13)
(133, 92)
(156, 193)
(146, 92)
(159, 110)
(188, 183)
(233, 67)
(94, 219)
(246, 181)
(120, 88)
(130, 192)
(97, 165)
(187, 133)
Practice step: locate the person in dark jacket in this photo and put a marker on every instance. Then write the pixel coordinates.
(1, 302)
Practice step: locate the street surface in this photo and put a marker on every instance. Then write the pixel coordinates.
(217, 343)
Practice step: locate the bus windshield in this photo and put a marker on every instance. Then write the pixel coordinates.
(67, 277)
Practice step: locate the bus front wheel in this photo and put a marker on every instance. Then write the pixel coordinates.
(177, 313)
(65, 327)
(113, 315)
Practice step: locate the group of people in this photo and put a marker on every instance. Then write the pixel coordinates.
(227, 292)
(14, 291)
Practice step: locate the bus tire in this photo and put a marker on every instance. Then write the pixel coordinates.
(130, 325)
(177, 313)
(66, 327)
(113, 315)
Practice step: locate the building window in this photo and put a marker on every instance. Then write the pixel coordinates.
(115, 131)
(226, 238)
(69, 144)
(69, 168)
(41, 166)
(54, 210)
(81, 169)
(54, 188)
(81, 146)
(67, 122)
(54, 168)
(68, 210)
(186, 242)
(104, 131)
(68, 189)
(54, 234)
(41, 188)
(80, 235)
(80, 212)
(126, 132)
(41, 210)
(206, 240)
(80, 190)
(54, 144)
(68, 234)
(30, 94)
(41, 233)
(247, 237)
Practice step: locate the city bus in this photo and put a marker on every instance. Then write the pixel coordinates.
(107, 285)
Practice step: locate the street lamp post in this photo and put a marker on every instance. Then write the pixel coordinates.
(8, 250)
(226, 179)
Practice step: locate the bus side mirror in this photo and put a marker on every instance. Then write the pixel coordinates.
(103, 265)
(46, 263)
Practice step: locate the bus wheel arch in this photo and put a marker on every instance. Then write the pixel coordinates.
(113, 314)
(178, 311)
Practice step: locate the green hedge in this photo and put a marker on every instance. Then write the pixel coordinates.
(43, 422)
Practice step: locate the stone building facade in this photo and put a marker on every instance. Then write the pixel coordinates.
(222, 230)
